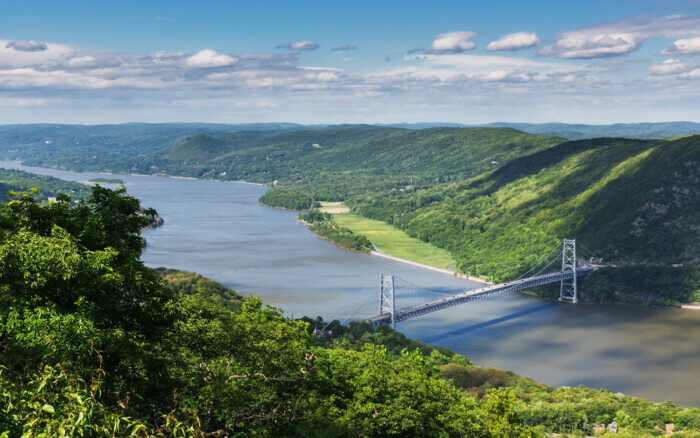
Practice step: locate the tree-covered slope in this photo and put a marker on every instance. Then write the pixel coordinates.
(628, 200)
(19, 181)
(437, 153)
(444, 154)
(130, 147)
(345, 151)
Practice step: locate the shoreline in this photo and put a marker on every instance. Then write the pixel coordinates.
(160, 175)
(432, 268)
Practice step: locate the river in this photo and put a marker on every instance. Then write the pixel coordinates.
(219, 230)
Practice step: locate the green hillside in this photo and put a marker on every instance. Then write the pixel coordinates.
(628, 200)
(444, 154)
(19, 181)
(356, 152)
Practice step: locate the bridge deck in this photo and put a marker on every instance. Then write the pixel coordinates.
(463, 297)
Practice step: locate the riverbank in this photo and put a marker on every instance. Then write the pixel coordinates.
(432, 268)
(394, 244)
(389, 240)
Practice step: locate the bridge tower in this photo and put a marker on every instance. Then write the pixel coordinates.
(568, 291)
(387, 299)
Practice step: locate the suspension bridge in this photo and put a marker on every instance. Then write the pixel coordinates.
(548, 270)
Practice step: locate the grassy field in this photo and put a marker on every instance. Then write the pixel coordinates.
(388, 239)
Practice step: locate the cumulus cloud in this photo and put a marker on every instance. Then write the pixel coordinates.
(685, 46)
(26, 45)
(299, 45)
(514, 41)
(344, 48)
(66, 76)
(693, 74)
(620, 37)
(453, 42)
(668, 67)
(210, 58)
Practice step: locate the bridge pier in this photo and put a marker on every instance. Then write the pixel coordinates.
(568, 290)
(387, 299)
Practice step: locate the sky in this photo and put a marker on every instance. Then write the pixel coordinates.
(319, 62)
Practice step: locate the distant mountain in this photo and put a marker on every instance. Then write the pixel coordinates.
(580, 131)
(445, 154)
(627, 130)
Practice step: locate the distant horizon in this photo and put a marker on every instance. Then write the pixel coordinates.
(344, 123)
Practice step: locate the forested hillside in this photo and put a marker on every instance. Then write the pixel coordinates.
(630, 201)
(432, 155)
(46, 186)
(92, 343)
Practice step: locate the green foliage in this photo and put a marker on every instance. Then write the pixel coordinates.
(358, 334)
(373, 394)
(343, 237)
(314, 216)
(291, 198)
(566, 408)
(56, 404)
(46, 186)
(658, 285)
(478, 379)
(107, 180)
(191, 283)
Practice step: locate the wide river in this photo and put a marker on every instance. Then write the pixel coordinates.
(219, 230)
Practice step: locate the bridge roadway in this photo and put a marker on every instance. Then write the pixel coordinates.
(464, 297)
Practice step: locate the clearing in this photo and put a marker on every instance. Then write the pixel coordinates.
(388, 239)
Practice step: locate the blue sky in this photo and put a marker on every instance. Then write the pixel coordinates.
(594, 61)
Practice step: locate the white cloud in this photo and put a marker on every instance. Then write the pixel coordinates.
(453, 42)
(685, 46)
(299, 45)
(210, 58)
(693, 74)
(11, 57)
(448, 66)
(327, 76)
(620, 37)
(514, 41)
(26, 45)
(100, 83)
(668, 67)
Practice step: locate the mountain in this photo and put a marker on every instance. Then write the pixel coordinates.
(629, 201)
(579, 131)
(627, 130)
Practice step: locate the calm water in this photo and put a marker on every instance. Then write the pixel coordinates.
(219, 230)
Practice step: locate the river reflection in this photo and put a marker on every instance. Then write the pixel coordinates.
(219, 230)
